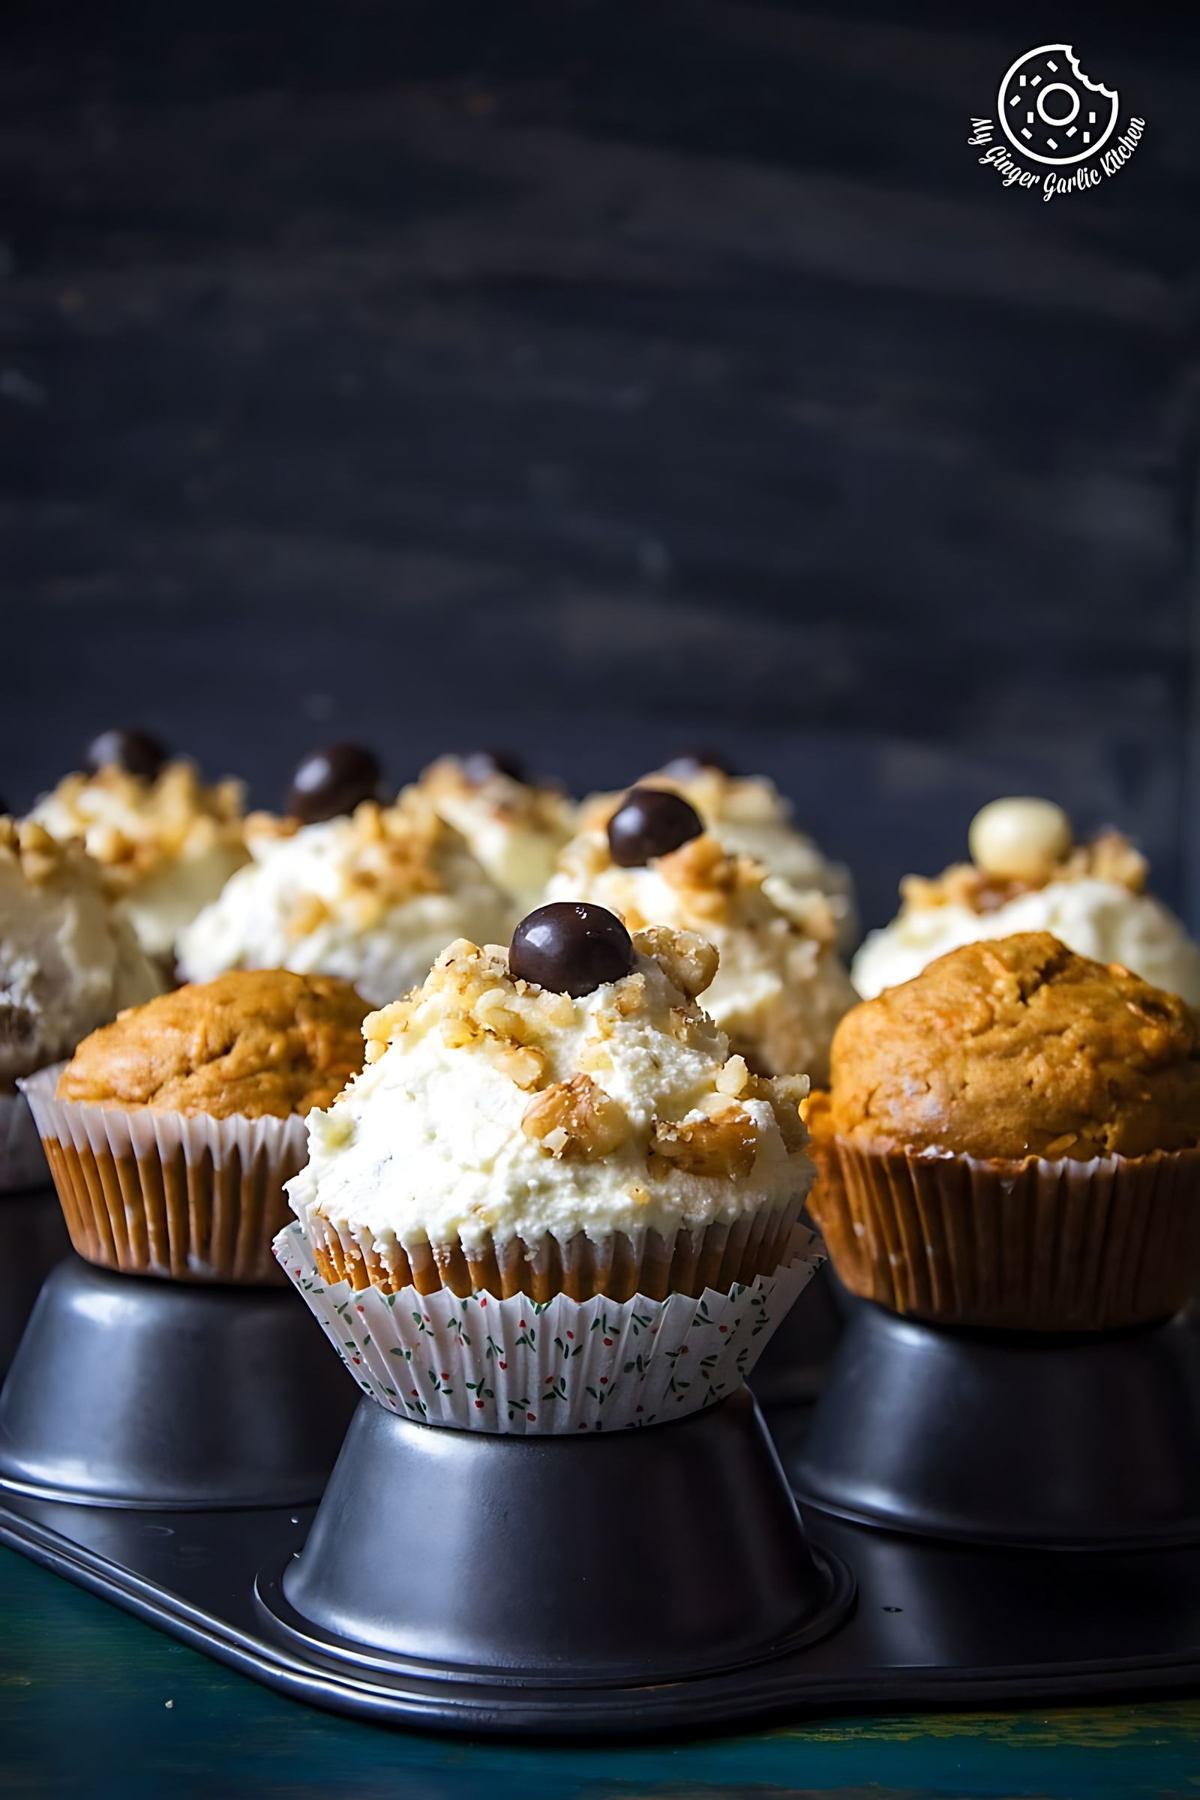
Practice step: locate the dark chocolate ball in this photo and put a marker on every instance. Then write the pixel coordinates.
(333, 781)
(134, 751)
(570, 947)
(650, 822)
(6, 810)
(693, 762)
(480, 765)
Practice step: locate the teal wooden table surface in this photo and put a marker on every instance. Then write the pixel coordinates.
(94, 1703)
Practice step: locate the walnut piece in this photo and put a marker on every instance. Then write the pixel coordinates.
(685, 958)
(724, 1144)
(576, 1118)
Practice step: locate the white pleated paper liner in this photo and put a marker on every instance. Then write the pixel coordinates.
(188, 1197)
(515, 1366)
(22, 1159)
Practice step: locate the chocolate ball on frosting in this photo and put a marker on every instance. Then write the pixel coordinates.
(332, 781)
(134, 751)
(651, 822)
(570, 948)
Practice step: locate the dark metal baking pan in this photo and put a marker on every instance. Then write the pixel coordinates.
(933, 1623)
(136, 1392)
(1067, 1441)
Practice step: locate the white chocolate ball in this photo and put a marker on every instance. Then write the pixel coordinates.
(1020, 839)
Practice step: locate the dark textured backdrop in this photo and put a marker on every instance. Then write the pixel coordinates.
(596, 377)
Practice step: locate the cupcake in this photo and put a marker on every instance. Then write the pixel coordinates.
(514, 826)
(166, 840)
(170, 1133)
(558, 1117)
(1010, 1140)
(1027, 874)
(780, 989)
(68, 963)
(749, 817)
(373, 898)
(554, 1200)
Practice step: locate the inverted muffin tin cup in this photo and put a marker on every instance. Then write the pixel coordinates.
(33, 1238)
(1064, 1440)
(641, 1555)
(134, 1392)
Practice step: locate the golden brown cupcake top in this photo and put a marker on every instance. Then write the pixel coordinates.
(1017, 1047)
(255, 1043)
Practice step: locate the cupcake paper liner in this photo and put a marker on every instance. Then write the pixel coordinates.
(619, 1266)
(523, 1366)
(1027, 1246)
(22, 1159)
(159, 1193)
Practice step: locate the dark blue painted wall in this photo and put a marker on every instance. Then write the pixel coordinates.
(595, 378)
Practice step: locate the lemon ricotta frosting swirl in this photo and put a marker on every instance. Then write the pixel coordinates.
(1028, 874)
(69, 961)
(373, 897)
(167, 845)
(491, 1109)
(749, 817)
(780, 989)
(514, 828)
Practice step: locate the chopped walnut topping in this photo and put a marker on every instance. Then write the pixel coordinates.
(576, 1118)
(1108, 857)
(631, 996)
(785, 1094)
(132, 826)
(38, 855)
(724, 1144)
(685, 958)
(734, 1078)
(536, 806)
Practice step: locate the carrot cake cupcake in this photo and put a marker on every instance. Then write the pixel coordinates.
(780, 989)
(514, 826)
(166, 840)
(1010, 1139)
(374, 898)
(560, 1116)
(171, 1132)
(749, 817)
(68, 962)
(1027, 873)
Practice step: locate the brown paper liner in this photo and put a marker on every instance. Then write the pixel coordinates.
(616, 1267)
(186, 1198)
(1020, 1246)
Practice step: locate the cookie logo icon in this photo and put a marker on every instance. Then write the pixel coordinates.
(1050, 111)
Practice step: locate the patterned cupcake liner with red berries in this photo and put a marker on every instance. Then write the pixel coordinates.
(529, 1367)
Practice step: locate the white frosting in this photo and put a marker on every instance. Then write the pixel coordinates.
(332, 900)
(779, 990)
(750, 817)
(427, 1144)
(1099, 919)
(167, 846)
(513, 829)
(68, 961)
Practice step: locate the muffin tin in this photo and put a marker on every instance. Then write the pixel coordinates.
(1066, 1441)
(641, 1581)
(134, 1392)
